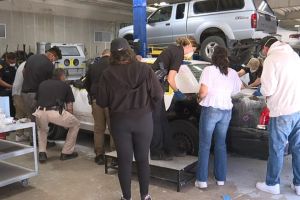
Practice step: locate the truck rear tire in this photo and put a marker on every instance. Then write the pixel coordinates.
(208, 45)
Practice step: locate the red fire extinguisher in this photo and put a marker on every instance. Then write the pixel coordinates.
(2, 136)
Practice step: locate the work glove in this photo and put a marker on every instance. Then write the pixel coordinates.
(179, 96)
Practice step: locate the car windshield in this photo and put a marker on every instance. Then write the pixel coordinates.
(197, 69)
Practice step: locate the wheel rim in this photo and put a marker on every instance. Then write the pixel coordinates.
(209, 50)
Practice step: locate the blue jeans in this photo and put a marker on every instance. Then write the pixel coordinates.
(213, 121)
(282, 129)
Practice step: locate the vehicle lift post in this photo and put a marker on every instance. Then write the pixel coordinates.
(139, 25)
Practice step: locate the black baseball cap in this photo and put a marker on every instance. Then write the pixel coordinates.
(268, 41)
(55, 50)
(119, 44)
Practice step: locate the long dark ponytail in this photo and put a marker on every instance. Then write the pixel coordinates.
(220, 59)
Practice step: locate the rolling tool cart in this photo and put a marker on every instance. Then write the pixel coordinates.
(9, 172)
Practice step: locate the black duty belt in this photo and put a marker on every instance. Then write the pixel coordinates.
(49, 108)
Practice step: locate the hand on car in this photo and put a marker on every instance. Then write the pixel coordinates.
(179, 95)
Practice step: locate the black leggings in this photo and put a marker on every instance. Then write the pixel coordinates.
(132, 135)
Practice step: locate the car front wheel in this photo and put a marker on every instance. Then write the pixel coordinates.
(185, 136)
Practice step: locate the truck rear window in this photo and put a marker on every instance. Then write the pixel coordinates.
(205, 6)
(263, 6)
(217, 5)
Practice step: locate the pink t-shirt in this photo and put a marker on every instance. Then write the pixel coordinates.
(220, 87)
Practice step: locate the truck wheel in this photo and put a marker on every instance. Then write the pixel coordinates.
(185, 136)
(208, 45)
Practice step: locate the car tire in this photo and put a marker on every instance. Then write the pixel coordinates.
(208, 45)
(185, 136)
(57, 132)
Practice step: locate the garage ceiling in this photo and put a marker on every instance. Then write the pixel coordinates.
(287, 11)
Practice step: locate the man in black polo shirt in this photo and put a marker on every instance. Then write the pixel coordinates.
(52, 97)
(37, 69)
(100, 115)
(7, 77)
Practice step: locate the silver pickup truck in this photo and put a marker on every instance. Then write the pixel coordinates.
(211, 22)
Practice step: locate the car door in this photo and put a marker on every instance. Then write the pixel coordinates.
(179, 22)
(159, 29)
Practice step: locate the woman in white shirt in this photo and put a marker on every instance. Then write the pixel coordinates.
(217, 84)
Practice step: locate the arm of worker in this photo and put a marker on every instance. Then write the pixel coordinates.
(102, 97)
(69, 107)
(69, 100)
(177, 93)
(87, 81)
(256, 83)
(171, 79)
(242, 72)
(154, 87)
(268, 78)
(4, 84)
(204, 84)
(202, 91)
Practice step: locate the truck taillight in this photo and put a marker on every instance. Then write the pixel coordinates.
(254, 20)
(264, 118)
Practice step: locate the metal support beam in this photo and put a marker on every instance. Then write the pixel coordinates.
(139, 25)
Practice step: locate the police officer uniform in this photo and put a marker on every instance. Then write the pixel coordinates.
(7, 74)
(52, 95)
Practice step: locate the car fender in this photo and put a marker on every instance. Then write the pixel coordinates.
(225, 28)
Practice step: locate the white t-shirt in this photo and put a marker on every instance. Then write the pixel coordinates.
(280, 81)
(220, 87)
(18, 82)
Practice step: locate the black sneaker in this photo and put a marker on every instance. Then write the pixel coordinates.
(99, 159)
(68, 156)
(161, 156)
(42, 157)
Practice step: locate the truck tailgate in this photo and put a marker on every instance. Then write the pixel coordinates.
(266, 23)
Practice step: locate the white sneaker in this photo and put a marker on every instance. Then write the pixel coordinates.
(275, 189)
(22, 138)
(296, 189)
(201, 185)
(220, 183)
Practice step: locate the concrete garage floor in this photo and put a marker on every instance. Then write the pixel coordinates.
(82, 179)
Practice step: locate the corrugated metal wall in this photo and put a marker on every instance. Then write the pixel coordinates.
(29, 28)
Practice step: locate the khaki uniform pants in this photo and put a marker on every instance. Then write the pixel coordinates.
(67, 120)
(20, 111)
(101, 118)
(29, 104)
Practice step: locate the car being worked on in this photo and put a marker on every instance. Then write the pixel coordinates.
(211, 22)
(243, 135)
